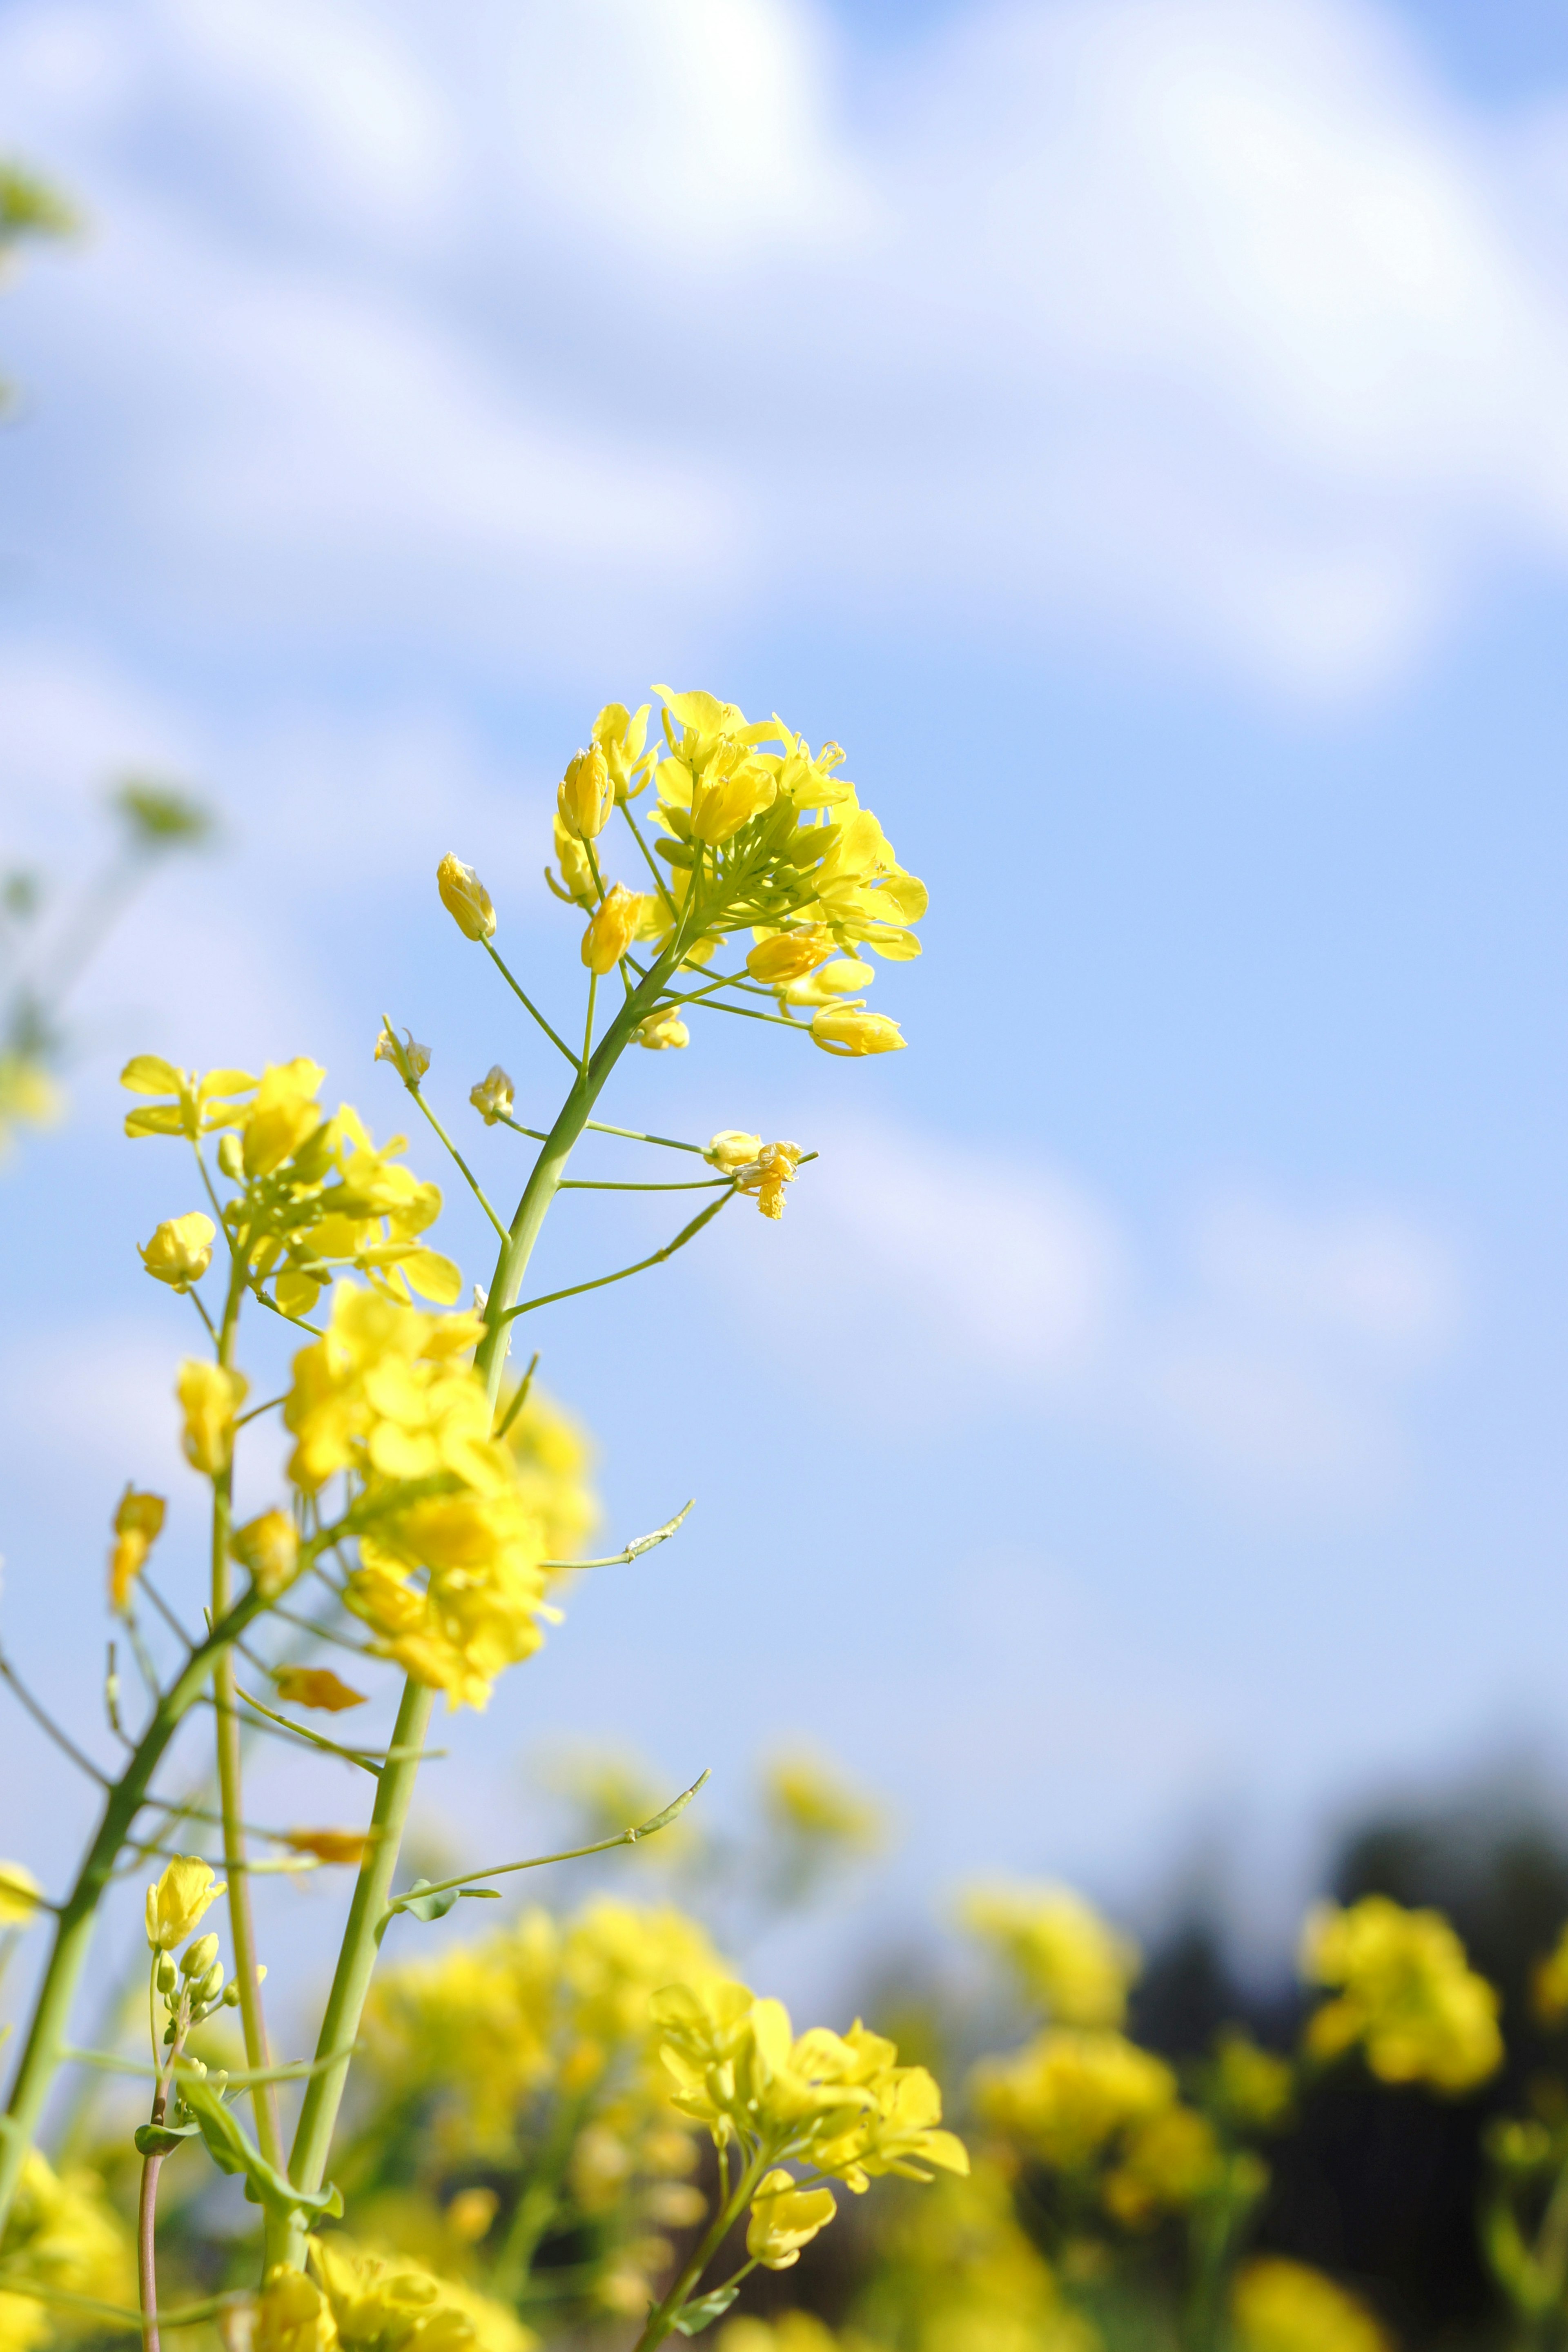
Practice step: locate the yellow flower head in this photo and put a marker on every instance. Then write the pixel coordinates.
(766, 1175)
(850, 1031)
(329, 1845)
(585, 796)
(465, 897)
(387, 2302)
(662, 1029)
(612, 928)
(1407, 1995)
(1283, 2306)
(20, 1896)
(211, 1395)
(493, 1096)
(409, 1060)
(808, 1801)
(785, 2218)
(1067, 1957)
(177, 1903)
(199, 1105)
(292, 2314)
(1168, 2164)
(790, 955)
(314, 1686)
(1071, 2091)
(284, 1114)
(731, 1149)
(620, 734)
(138, 1524)
(269, 1547)
(180, 1251)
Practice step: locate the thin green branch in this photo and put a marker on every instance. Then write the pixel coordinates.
(312, 1738)
(475, 1187)
(599, 1127)
(575, 1290)
(635, 1550)
(588, 1026)
(46, 1723)
(649, 860)
(528, 1006)
(592, 1184)
(519, 1396)
(660, 1820)
(272, 1307)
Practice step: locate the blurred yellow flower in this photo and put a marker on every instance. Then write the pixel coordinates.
(20, 1896)
(662, 1029)
(138, 1524)
(63, 2235)
(1284, 2306)
(1408, 1996)
(1071, 2091)
(390, 2301)
(465, 897)
(329, 1845)
(178, 1901)
(784, 2219)
(494, 1096)
(268, 1548)
(210, 1395)
(1252, 2088)
(292, 2314)
(806, 1798)
(199, 1105)
(284, 1114)
(315, 1686)
(1168, 2163)
(180, 1251)
(1066, 1957)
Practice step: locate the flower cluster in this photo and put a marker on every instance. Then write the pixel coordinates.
(1087, 2102)
(1068, 1961)
(366, 2301)
(388, 1393)
(1283, 2306)
(1406, 1995)
(63, 2236)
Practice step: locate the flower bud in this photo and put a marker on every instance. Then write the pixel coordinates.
(167, 1978)
(231, 1157)
(465, 897)
(211, 1986)
(231, 1995)
(409, 1060)
(180, 1250)
(197, 1957)
(269, 1548)
(849, 1030)
(731, 1149)
(137, 1523)
(176, 1901)
(832, 981)
(661, 1030)
(612, 930)
(211, 1396)
(493, 1096)
(790, 955)
(586, 795)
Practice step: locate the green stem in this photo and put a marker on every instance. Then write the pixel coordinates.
(688, 1233)
(357, 1957)
(529, 1005)
(598, 1126)
(475, 1187)
(536, 2207)
(663, 2316)
(41, 2052)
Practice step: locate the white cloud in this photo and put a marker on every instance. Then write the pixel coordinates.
(1210, 320)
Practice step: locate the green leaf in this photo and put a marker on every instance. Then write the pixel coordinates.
(699, 2315)
(422, 1905)
(159, 2140)
(232, 2151)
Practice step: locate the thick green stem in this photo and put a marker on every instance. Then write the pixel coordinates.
(357, 1958)
(41, 2052)
(551, 1166)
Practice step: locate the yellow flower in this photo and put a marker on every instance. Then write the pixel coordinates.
(465, 897)
(292, 2314)
(577, 885)
(785, 2218)
(661, 1030)
(314, 1686)
(620, 734)
(585, 796)
(795, 2331)
(1251, 2087)
(211, 1396)
(849, 1030)
(1409, 1997)
(789, 955)
(269, 1547)
(493, 1096)
(28, 1097)
(409, 1060)
(138, 1524)
(766, 1175)
(1168, 2162)
(1072, 2091)
(612, 928)
(394, 2301)
(329, 1845)
(828, 985)
(732, 1148)
(180, 1251)
(1284, 2306)
(284, 1114)
(20, 1896)
(176, 1904)
(1069, 1960)
(61, 2234)
(200, 1105)
(807, 1801)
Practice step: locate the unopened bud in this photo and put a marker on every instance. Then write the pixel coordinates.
(165, 1973)
(180, 1251)
(612, 930)
(585, 796)
(409, 1060)
(493, 1096)
(465, 897)
(231, 1157)
(269, 1548)
(790, 955)
(210, 1986)
(197, 1957)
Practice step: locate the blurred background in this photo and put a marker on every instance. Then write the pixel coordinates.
(1138, 430)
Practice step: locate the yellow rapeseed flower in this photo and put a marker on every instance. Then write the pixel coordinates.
(662, 1029)
(781, 955)
(138, 1524)
(199, 1105)
(283, 1116)
(465, 897)
(210, 1395)
(808, 1801)
(1168, 2164)
(784, 2219)
(612, 928)
(1407, 1995)
(766, 1175)
(329, 1845)
(850, 1031)
(494, 1096)
(731, 1149)
(585, 796)
(177, 1902)
(292, 2314)
(61, 2234)
(180, 1251)
(268, 1548)
(410, 1061)
(315, 1686)
(20, 1896)
(1067, 1958)
(845, 976)
(1283, 2306)
(392, 2301)
(1071, 2091)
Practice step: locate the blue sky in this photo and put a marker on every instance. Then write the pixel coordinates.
(1138, 429)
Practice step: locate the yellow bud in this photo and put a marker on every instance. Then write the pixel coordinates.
(493, 1096)
(843, 977)
(731, 1149)
(470, 2213)
(850, 1030)
(180, 1250)
(269, 1548)
(21, 1896)
(661, 1030)
(790, 955)
(465, 897)
(176, 1903)
(409, 1060)
(586, 796)
(211, 1396)
(138, 1524)
(612, 930)
(198, 1958)
(785, 2218)
(315, 1686)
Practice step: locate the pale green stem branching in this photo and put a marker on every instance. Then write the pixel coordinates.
(528, 1006)
(539, 1861)
(475, 1187)
(519, 1396)
(635, 1550)
(688, 1233)
(46, 1723)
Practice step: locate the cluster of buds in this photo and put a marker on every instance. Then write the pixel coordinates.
(196, 1988)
